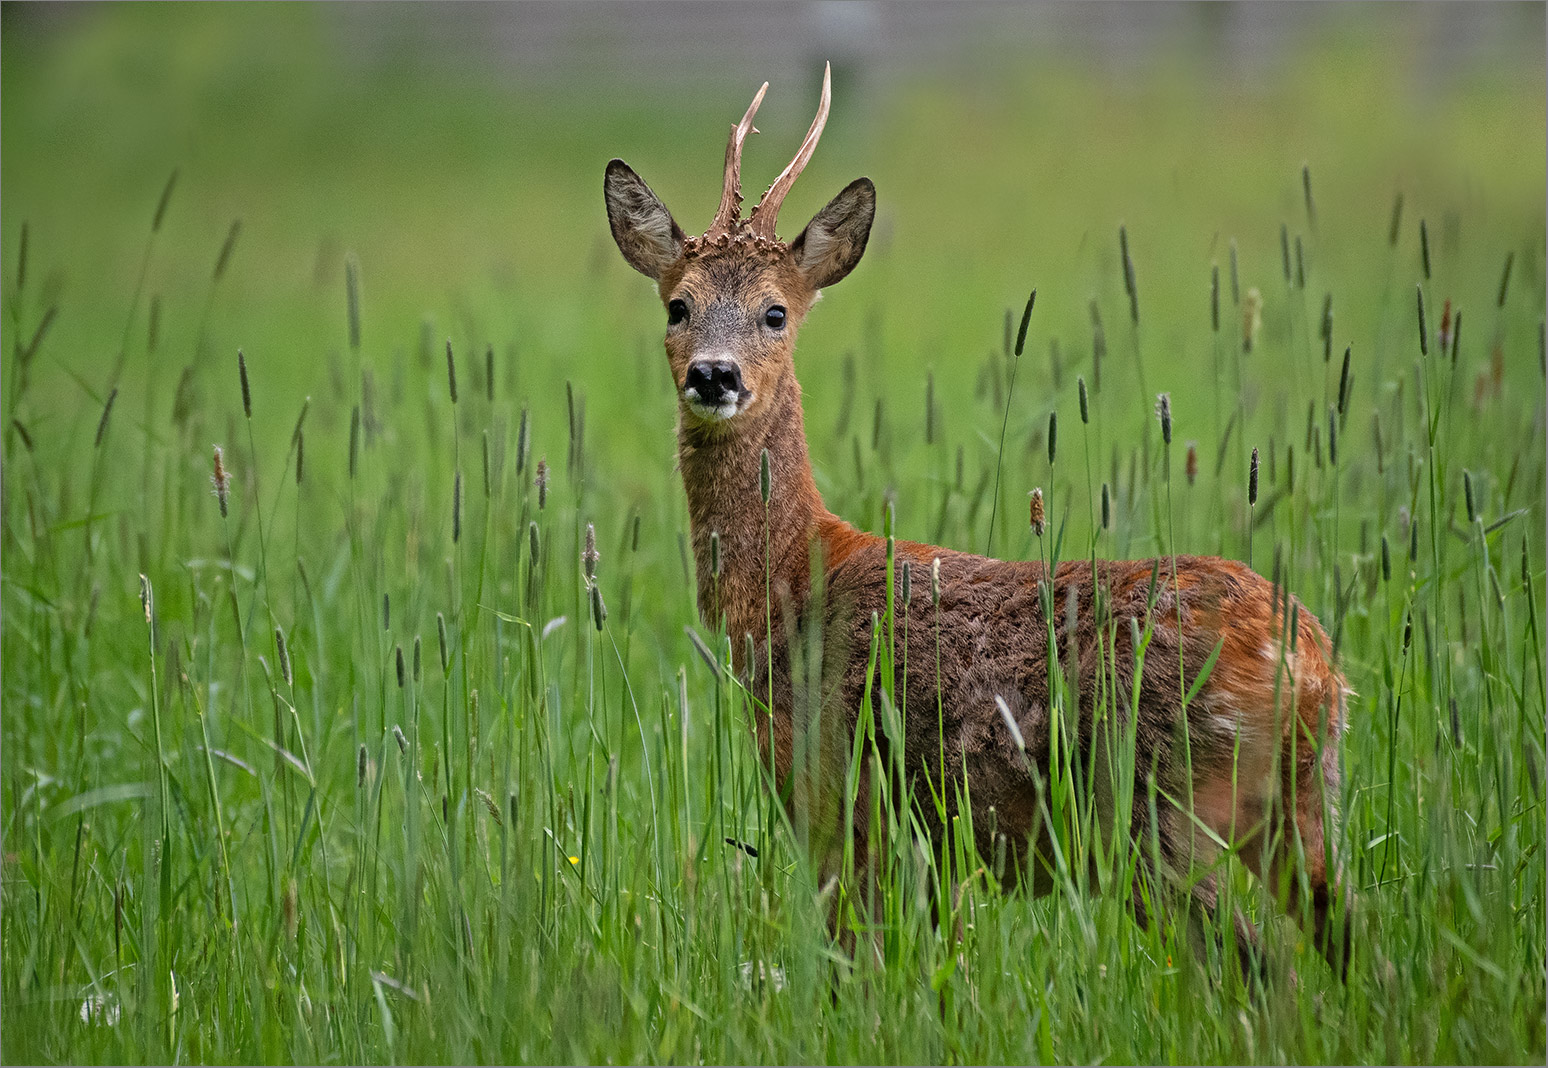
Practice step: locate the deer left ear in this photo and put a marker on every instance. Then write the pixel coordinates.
(834, 240)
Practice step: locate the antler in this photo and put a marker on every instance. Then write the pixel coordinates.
(761, 222)
(729, 216)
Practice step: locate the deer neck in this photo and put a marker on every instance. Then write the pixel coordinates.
(764, 552)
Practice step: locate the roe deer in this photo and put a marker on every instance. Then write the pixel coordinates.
(1256, 751)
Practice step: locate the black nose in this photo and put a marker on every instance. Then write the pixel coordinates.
(714, 381)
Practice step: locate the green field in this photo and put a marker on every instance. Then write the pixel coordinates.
(350, 774)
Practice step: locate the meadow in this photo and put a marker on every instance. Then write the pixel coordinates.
(319, 742)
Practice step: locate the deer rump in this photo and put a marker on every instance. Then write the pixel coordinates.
(1256, 753)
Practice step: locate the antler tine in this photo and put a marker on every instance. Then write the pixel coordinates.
(729, 215)
(761, 222)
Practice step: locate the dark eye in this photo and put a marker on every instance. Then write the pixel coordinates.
(677, 312)
(775, 318)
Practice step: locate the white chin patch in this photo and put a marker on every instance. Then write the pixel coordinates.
(714, 413)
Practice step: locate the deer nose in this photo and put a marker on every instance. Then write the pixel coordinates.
(713, 380)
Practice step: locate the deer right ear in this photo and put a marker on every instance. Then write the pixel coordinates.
(645, 231)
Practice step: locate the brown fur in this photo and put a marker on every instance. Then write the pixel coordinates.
(1253, 731)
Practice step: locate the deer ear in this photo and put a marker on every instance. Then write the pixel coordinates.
(645, 231)
(834, 240)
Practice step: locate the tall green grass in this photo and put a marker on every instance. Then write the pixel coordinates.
(374, 767)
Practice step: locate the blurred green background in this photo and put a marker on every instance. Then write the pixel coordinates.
(457, 150)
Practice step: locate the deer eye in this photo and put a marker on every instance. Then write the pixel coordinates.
(677, 312)
(775, 318)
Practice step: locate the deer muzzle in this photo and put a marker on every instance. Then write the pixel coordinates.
(713, 388)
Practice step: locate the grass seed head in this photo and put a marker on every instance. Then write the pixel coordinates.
(352, 300)
(1035, 512)
(1214, 298)
(402, 670)
(247, 393)
(397, 735)
(488, 475)
(360, 766)
(1326, 327)
(1284, 250)
(935, 581)
(1467, 492)
(765, 478)
(1236, 288)
(1107, 506)
(451, 371)
(906, 582)
(1164, 413)
(541, 481)
(1252, 318)
(1510, 258)
(222, 481)
(489, 806)
(418, 658)
(300, 456)
(1424, 248)
(1191, 465)
(598, 607)
(1085, 404)
(523, 440)
(1026, 318)
(1424, 326)
(1396, 226)
(489, 373)
(589, 555)
(1252, 479)
(283, 654)
(440, 633)
(532, 542)
(457, 508)
(1053, 436)
(1343, 383)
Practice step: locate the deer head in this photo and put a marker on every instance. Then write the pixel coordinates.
(736, 296)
